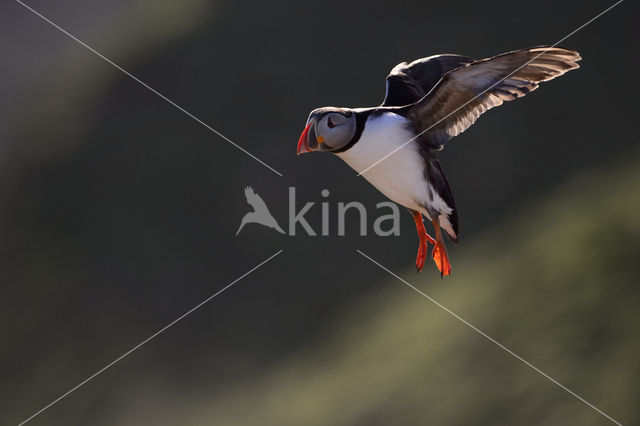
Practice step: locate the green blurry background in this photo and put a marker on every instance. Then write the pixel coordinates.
(118, 213)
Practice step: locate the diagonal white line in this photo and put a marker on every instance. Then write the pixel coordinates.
(150, 88)
(500, 345)
(492, 86)
(190, 311)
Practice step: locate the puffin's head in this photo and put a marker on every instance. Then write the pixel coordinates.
(327, 129)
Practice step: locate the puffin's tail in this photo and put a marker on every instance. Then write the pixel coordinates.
(450, 225)
(448, 221)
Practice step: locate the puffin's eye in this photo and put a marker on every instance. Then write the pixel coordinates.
(330, 123)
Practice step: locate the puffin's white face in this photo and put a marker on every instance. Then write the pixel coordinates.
(327, 129)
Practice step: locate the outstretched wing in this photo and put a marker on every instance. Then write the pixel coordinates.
(462, 95)
(254, 200)
(408, 83)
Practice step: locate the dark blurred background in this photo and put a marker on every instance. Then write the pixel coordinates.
(118, 213)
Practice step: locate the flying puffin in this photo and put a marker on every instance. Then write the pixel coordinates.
(428, 102)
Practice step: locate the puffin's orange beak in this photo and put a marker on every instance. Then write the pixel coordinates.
(303, 142)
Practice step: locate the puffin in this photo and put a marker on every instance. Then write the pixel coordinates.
(427, 103)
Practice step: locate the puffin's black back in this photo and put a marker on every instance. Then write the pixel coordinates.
(408, 83)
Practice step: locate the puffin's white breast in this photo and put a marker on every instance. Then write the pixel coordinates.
(400, 176)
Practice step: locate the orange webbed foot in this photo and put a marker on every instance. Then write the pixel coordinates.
(424, 239)
(441, 259)
(422, 255)
(439, 254)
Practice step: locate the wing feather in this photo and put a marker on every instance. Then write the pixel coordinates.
(408, 83)
(465, 93)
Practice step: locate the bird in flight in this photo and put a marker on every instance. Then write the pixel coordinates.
(260, 213)
(427, 103)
